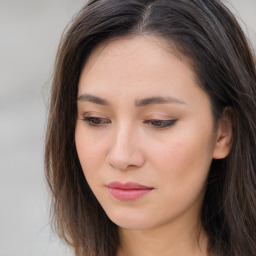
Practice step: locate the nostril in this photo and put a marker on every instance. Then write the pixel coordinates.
(125, 159)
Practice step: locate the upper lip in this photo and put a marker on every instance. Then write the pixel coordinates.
(127, 185)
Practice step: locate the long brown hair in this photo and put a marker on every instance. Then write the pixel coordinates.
(206, 33)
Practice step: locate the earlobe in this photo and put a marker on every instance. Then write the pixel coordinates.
(224, 137)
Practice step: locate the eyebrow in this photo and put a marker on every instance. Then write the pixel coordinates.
(93, 99)
(157, 100)
(138, 103)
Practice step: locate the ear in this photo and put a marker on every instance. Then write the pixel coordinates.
(224, 138)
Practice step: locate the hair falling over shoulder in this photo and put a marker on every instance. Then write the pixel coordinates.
(205, 32)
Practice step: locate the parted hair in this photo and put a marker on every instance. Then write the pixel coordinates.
(206, 33)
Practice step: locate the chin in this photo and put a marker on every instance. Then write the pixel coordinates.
(131, 224)
(131, 221)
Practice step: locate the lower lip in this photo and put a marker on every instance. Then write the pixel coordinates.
(128, 194)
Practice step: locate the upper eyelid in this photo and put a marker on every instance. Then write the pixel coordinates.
(160, 120)
(95, 117)
(89, 120)
(165, 122)
(163, 118)
(94, 114)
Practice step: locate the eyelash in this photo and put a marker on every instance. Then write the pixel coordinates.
(160, 124)
(96, 121)
(155, 123)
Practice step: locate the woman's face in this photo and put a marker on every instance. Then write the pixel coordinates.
(145, 133)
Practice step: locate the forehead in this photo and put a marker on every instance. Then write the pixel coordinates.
(139, 67)
(129, 46)
(133, 56)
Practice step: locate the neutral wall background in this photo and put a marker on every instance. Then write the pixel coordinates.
(29, 34)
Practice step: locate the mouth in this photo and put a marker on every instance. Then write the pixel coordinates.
(127, 191)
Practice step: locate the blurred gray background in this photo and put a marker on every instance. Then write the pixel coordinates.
(29, 34)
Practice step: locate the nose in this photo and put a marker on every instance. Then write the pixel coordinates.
(125, 152)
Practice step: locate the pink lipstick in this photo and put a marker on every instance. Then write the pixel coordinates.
(127, 191)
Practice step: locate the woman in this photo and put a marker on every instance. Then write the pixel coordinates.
(151, 137)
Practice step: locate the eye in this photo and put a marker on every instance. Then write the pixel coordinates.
(161, 123)
(96, 121)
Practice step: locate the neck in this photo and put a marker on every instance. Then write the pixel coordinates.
(169, 239)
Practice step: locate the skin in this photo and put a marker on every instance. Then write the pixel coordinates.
(167, 146)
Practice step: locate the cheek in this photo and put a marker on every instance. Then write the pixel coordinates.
(184, 164)
(90, 150)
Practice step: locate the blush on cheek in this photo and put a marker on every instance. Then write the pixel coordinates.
(177, 152)
(184, 160)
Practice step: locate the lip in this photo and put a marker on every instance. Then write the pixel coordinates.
(127, 191)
